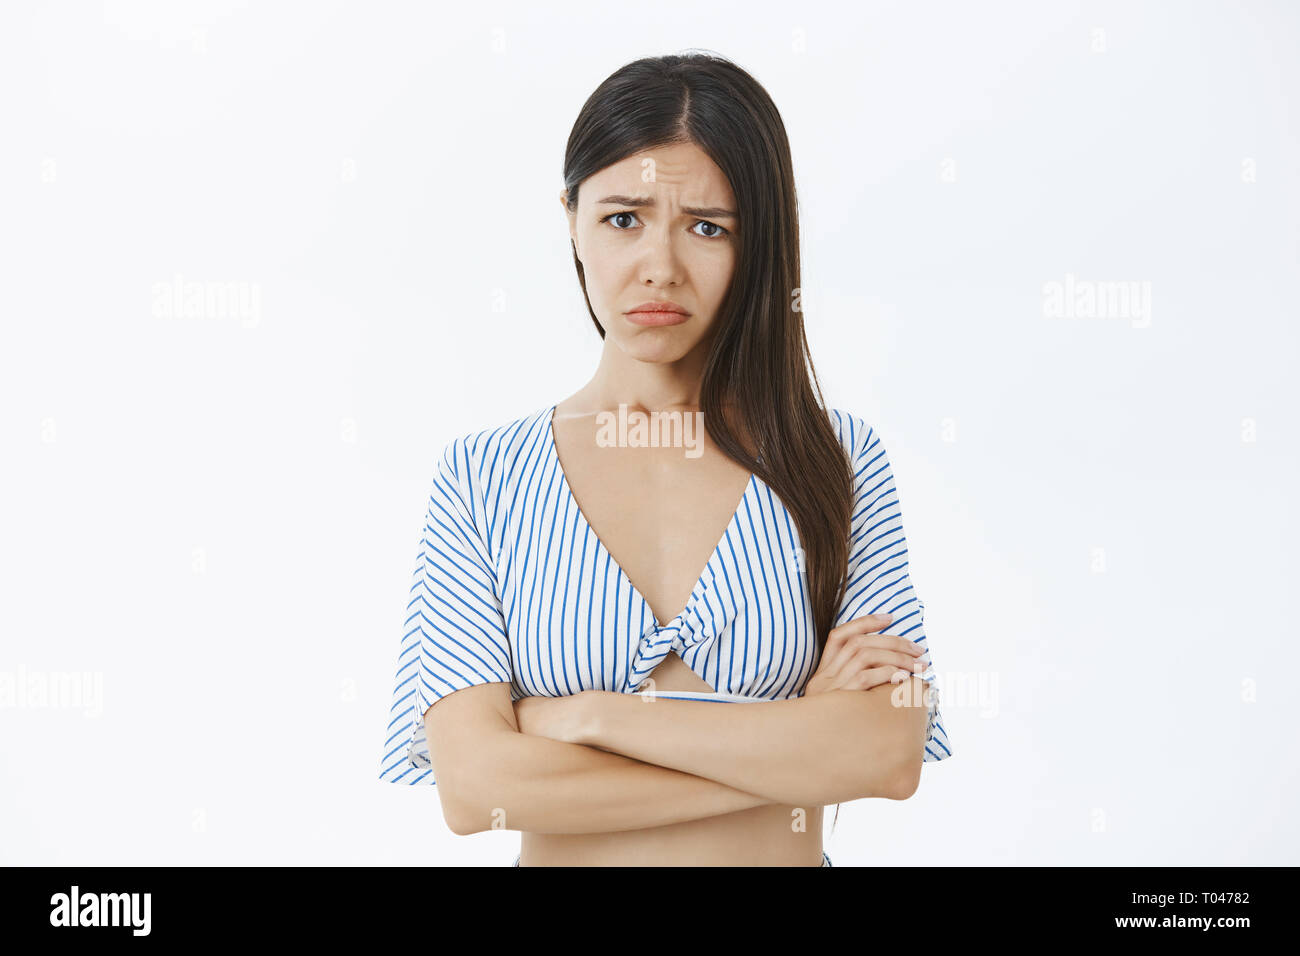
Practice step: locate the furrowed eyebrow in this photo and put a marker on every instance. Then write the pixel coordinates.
(704, 212)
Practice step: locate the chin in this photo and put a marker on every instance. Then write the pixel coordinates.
(656, 346)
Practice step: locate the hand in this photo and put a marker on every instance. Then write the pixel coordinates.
(857, 658)
(559, 718)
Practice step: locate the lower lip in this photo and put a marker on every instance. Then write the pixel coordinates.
(657, 318)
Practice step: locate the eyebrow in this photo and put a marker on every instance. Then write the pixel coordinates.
(704, 212)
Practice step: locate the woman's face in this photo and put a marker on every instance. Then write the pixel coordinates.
(656, 226)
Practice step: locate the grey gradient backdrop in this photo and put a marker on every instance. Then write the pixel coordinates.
(214, 517)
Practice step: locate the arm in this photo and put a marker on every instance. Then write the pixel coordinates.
(491, 776)
(825, 748)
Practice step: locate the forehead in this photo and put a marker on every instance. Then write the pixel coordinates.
(681, 172)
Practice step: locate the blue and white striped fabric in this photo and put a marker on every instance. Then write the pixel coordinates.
(512, 585)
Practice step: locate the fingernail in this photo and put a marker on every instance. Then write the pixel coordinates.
(885, 616)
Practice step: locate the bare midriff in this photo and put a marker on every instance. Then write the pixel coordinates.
(769, 835)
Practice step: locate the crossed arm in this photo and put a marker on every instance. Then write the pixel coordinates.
(624, 762)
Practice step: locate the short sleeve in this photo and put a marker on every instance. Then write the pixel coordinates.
(454, 635)
(878, 579)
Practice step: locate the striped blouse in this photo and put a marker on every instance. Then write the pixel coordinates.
(512, 585)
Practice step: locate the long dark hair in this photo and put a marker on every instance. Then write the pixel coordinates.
(759, 360)
(758, 363)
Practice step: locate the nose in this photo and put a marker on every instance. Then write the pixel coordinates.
(661, 262)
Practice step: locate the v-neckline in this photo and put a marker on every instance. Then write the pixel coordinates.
(600, 544)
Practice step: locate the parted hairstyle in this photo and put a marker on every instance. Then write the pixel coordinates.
(758, 363)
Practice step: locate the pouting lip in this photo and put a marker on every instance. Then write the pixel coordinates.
(658, 306)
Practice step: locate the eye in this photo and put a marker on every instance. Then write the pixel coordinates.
(613, 214)
(718, 234)
(712, 225)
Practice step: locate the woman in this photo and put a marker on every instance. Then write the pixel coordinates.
(580, 563)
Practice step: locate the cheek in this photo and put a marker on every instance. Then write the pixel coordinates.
(716, 273)
(602, 270)
(602, 260)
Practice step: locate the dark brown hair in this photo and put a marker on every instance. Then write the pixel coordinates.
(759, 367)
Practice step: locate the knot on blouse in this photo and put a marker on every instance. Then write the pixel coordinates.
(682, 634)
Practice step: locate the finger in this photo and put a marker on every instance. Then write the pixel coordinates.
(874, 676)
(863, 625)
(888, 642)
(853, 658)
(838, 661)
(881, 657)
(863, 657)
(841, 639)
(904, 644)
(899, 676)
(915, 648)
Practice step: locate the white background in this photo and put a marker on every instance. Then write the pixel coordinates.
(216, 519)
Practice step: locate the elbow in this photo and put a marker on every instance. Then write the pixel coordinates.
(896, 744)
(465, 807)
(462, 790)
(469, 751)
(907, 773)
(906, 779)
(456, 810)
(888, 780)
(459, 823)
(466, 816)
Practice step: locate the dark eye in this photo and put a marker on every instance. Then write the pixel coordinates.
(612, 215)
(615, 218)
